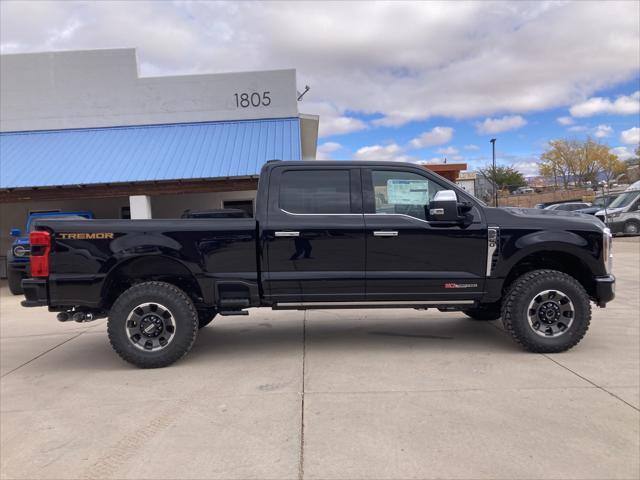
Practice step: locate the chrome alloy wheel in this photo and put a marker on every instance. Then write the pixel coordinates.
(550, 313)
(150, 327)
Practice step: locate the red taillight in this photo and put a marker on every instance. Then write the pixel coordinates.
(40, 248)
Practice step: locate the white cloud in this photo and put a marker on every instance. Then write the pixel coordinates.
(448, 151)
(496, 125)
(602, 131)
(471, 147)
(435, 136)
(400, 62)
(631, 136)
(391, 152)
(623, 153)
(527, 168)
(565, 121)
(622, 105)
(326, 149)
(578, 128)
(333, 121)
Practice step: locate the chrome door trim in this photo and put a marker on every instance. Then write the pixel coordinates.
(287, 234)
(321, 214)
(385, 233)
(395, 215)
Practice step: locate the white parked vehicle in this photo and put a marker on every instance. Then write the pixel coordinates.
(623, 214)
(523, 191)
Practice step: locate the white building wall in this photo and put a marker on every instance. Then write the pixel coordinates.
(140, 207)
(101, 88)
(468, 184)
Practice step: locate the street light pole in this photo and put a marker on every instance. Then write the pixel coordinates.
(495, 184)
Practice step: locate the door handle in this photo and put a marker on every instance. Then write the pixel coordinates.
(385, 233)
(287, 234)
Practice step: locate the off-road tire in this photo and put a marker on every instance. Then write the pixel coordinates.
(484, 313)
(516, 303)
(15, 282)
(205, 317)
(632, 227)
(185, 317)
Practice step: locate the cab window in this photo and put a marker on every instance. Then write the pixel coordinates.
(315, 191)
(406, 193)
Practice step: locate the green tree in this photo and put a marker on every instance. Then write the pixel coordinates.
(592, 157)
(560, 160)
(578, 161)
(611, 166)
(504, 177)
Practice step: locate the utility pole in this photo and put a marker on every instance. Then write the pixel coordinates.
(495, 183)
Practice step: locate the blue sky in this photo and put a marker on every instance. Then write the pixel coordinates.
(520, 146)
(412, 81)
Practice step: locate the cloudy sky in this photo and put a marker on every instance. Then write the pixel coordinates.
(406, 81)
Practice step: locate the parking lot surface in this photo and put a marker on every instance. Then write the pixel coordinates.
(349, 394)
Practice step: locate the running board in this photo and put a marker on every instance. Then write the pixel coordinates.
(376, 304)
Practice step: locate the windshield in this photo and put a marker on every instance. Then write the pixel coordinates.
(624, 199)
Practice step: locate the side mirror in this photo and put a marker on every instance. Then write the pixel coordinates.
(444, 207)
(15, 232)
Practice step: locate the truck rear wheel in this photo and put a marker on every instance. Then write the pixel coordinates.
(14, 279)
(152, 324)
(546, 311)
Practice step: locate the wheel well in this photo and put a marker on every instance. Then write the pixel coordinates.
(146, 269)
(563, 262)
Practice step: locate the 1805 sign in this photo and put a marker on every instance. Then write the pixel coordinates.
(255, 99)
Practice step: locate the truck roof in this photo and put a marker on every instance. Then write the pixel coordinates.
(341, 163)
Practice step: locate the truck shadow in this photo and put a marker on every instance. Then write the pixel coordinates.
(221, 340)
(243, 343)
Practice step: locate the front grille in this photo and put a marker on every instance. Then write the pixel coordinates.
(601, 218)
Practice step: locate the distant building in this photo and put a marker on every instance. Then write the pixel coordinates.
(450, 171)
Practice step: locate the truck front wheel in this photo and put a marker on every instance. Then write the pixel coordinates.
(152, 324)
(546, 311)
(14, 279)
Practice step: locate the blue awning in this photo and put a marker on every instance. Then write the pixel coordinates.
(145, 153)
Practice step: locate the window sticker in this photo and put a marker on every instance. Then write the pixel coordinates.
(407, 192)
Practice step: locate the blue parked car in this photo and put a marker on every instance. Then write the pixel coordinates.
(18, 256)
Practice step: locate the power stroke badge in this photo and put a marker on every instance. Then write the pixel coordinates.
(460, 285)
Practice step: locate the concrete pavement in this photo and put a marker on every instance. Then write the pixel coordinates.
(327, 394)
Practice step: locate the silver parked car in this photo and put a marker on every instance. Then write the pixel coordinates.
(568, 206)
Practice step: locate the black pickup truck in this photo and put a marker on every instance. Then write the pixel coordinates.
(327, 235)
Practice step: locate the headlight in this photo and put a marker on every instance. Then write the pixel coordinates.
(607, 253)
(20, 251)
(614, 214)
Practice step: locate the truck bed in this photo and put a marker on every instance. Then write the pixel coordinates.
(88, 254)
